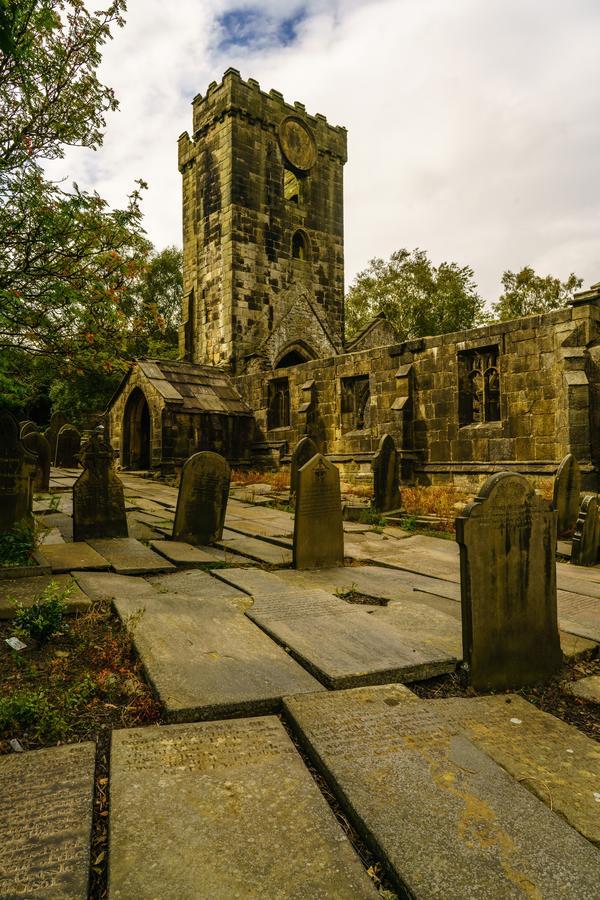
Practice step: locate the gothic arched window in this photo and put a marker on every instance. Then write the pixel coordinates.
(478, 386)
(278, 403)
(299, 246)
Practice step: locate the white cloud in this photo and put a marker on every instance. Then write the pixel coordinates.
(473, 126)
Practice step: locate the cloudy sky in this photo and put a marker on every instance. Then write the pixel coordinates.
(473, 125)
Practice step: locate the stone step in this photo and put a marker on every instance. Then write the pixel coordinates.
(46, 822)
(449, 821)
(223, 809)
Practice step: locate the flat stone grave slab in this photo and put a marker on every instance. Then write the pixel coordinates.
(264, 532)
(199, 585)
(253, 548)
(374, 581)
(106, 586)
(182, 554)
(588, 689)
(151, 519)
(205, 659)
(579, 615)
(152, 507)
(52, 537)
(340, 643)
(130, 557)
(449, 821)
(70, 556)
(421, 624)
(58, 520)
(26, 590)
(555, 761)
(245, 819)
(46, 822)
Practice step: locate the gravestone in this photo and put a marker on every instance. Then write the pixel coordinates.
(304, 450)
(17, 466)
(46, 802)
(386, 483)
(26, 427)
(318, 525)
(586, 537)
(202, 499)
(507, 540)
(98, 499)
(36, 443)
(567, 488)
(68, 444)
(57, 420)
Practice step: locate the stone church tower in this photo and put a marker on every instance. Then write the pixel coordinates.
(262, 230)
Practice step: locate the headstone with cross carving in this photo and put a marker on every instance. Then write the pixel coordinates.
(318, 526)
(98, 499)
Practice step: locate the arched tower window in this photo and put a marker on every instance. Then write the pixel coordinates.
(291, 187)
(299, 246)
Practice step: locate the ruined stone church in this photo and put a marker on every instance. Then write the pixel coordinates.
(264, 360)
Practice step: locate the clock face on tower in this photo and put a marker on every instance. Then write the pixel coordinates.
(297, 143)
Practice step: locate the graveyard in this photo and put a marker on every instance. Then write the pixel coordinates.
(394, 711)
(299, 581)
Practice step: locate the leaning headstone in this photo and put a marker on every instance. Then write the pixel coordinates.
(37, 443)
(68, 444)
(304, 450)
(202, 499)
(586, 537)
(567, 488)
(507, 539)
(98, 499)
(318, 525)
(16, 470)
(26, 427)
(46, 804)
(386, 481)
(57, 420)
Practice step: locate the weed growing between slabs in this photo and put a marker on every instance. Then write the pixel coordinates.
(75, 680)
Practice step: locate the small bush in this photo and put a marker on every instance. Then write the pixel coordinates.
(46, 616)
(16, 546)
(30, 711)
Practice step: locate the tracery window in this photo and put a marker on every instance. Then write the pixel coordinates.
(278, 406)
(356, 403)
(478, 386)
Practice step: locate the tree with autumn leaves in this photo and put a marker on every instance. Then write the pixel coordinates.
(76, 277)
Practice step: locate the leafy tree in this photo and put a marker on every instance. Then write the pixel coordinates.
(526, 293)
(153, 306)
(417, 297)
(66, 259)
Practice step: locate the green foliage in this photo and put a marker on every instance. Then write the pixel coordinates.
(46, 615)
(42, 715)
(526, 293)
(417, 297)
(16, 546)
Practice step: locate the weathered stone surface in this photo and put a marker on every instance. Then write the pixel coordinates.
(579, 615)
(386, 476)
(130, 557)
(254, 548)
(205, 659)
(26, 427)
(98, 498)
(567, 487)
(318, 526)
(202, 499)
(449, 821)
(340, 643)
(27, 590)
(17, 466)
(199, 585)
(68, 444)
(57, 420)
(507, 541)
(588, 689)
(586, 537)
(304, 451)
(46, 822)
(182, 554)
(103, 586)
(555, 761)
(63, 522)
(37, 444)
(422, 625)
(69, 557)
(245, 818)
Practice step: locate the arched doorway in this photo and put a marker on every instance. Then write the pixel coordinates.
(294, 354)
(136, 432)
